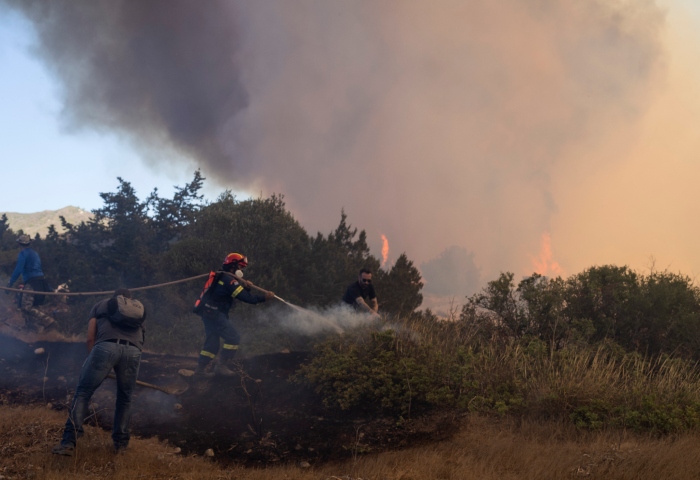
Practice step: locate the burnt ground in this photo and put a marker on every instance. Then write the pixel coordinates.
(257, 417)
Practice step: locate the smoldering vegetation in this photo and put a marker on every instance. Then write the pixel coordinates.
(570, 349)
(485, 450)
(458, 114)
(608, 349)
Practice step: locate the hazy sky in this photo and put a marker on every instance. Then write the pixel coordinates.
(641, 198)
(568, 139)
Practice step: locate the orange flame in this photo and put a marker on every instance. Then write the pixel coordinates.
(385, 249)
(544, 264)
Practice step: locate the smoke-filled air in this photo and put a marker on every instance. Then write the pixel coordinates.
(450, 239)
(505, 129)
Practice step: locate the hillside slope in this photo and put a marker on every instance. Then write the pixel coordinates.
(39, 222)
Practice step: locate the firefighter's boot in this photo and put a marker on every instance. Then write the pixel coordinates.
(201, 372)
(37, 320)
(222, 370)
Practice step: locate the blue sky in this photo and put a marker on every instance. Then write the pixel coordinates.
(45, 168)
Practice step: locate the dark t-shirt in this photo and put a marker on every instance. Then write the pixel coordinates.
(355, 290)
(106, 330)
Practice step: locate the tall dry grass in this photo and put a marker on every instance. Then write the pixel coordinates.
(593, 386)
(485, 449)
(590, 373)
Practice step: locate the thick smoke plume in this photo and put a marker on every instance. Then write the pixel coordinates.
(436, 124)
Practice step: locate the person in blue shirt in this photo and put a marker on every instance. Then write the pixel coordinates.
(28, 263)
(29, 267)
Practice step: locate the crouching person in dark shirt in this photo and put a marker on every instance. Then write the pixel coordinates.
(360, 294)
(114, 341)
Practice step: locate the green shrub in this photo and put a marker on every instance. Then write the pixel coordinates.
(397, 371)
(388, 372)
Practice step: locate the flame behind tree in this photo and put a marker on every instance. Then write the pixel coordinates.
(399, 288)
(385, 249)
(544, 263)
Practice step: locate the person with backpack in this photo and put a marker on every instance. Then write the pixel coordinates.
(115, 339)
(214, 304)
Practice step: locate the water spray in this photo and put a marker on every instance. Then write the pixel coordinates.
(238, 275)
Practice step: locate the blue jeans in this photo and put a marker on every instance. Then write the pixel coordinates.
(104, 357)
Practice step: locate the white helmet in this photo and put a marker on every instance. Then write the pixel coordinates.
(24, 240)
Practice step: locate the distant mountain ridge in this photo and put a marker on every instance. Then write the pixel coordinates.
(39, 222)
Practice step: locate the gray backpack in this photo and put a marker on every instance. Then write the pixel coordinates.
(125, 312)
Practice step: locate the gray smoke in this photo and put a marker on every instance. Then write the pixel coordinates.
(162, 71)
(436, 124)
(452, 273)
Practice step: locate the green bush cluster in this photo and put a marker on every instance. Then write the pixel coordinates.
(404, 370)
(378, 372)
(652, 314)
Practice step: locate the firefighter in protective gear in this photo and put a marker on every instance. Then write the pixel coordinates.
(215, 306)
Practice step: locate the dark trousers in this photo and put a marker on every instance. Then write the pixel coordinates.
(217, 327)
(38, 284)
(105, 356)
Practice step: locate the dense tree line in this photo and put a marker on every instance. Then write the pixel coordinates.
(131, 242)
(657, 313)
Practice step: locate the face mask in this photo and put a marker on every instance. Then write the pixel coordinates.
(238, 273)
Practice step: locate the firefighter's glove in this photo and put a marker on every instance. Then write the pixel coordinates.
(269, 295)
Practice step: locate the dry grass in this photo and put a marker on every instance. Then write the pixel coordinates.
(556, 383)
(485, 450)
